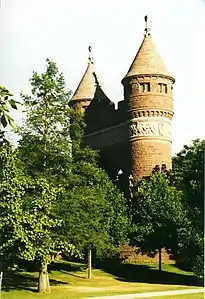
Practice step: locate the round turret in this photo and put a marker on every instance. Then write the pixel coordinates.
(148, 93)
(86, 89)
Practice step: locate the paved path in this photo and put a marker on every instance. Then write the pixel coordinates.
(151, 294)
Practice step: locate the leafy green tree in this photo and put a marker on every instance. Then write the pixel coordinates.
(5, 103)
(158, 215)
(11, 192)
(28, 227)
(94, 213)
(41, 228)
(45, 146)
(188, 168)
(46, 151)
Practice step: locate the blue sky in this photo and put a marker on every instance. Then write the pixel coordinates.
(32, 30)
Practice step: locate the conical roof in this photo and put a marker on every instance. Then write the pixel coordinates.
(87, 85)
(147, 61)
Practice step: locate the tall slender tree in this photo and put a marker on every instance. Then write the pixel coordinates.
(45, 151)
(46, 127)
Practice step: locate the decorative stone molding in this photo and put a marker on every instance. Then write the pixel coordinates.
(151, 113)
(149, 76)
(160, 129)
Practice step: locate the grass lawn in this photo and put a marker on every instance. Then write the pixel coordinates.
(68, 280)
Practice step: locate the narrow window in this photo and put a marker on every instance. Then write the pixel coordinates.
(147, 86)
(144, 87)
(141, 87)
(162, 87)
(159, 87)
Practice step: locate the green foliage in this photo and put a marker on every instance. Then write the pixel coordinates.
(28, 227)
(11, 192)
(6, 102)
(188, 167)
(45, 147)
(158, 215)
(198, 267)
(92, 209)
(41, 224)
(80, 152)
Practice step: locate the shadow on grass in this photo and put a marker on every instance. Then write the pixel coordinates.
(146, 274)
(67, 267)
(16, 281)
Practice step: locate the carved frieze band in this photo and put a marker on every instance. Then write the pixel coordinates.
(150, 113)
(160, 129)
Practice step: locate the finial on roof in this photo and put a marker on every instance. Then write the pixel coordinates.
(147, 30)
(90, 58)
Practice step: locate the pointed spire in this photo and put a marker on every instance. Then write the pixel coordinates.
(147, 30)
(87, 85)
(147, 61)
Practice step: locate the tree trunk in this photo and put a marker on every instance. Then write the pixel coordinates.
(160, 259)
(89, 264)
(1, 278)
(43, 281)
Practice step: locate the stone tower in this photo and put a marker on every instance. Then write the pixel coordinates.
(135, 136)
(148, 94)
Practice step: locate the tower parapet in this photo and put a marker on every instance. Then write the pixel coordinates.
(148, 93)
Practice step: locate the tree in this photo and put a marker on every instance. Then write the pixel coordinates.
(41, 228)
(11, 192)
(188, 168)
(158, 215)
(45, 147)
(94, 213)
(5, 103)
(28, 228)
(45, 151)
(86, 202)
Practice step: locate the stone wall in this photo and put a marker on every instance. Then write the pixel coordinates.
(146, 154)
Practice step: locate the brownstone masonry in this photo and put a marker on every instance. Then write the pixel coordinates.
(132, 255)
(136, 136)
